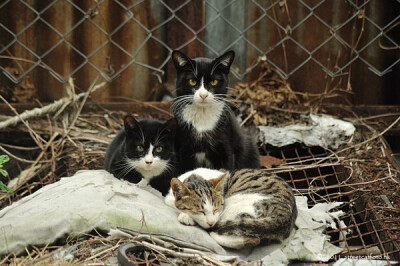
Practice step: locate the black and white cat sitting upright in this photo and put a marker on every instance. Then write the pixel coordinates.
(208, 134)
(144, 149)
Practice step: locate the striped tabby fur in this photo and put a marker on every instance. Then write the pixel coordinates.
(241, 209)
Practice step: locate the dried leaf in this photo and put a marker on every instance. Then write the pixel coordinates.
(270, 161)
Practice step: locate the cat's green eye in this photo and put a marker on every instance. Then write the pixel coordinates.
(214, 82)
(192, 82)
(139, 148)
(159, 149)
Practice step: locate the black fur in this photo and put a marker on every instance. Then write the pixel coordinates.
(225, 146)
(142, 133)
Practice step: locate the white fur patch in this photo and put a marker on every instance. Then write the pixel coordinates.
(203, 114)
(228, 241)
(170, 199)
(181, 60)
(148, 171)
(241, 203)
(149, 156)
(210, 218)
(201, 159)
(183, 218)
(204, 173)
(226, 61)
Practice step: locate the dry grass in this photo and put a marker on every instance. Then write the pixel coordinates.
(64, 140)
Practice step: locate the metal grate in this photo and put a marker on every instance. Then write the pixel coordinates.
(65, 38)
(316, 174)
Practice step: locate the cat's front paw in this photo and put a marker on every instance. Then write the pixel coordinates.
(183, 218)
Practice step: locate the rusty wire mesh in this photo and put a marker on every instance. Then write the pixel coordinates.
(224, 25)
(315, 173)
(311, 171)
(358, 177)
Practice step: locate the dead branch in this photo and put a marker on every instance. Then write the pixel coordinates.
(48, 109)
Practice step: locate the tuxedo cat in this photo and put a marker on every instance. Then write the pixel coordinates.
(144, 149)
(208, 134)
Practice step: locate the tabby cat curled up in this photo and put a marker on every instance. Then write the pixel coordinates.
(144, 150)
(208, 134)
(240, 209)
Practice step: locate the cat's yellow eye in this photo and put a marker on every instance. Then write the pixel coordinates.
(214, 82)
(159, 149)
(140, 148)
(192, 82)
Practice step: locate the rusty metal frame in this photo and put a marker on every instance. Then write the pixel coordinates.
(314, 173)
(370, 238)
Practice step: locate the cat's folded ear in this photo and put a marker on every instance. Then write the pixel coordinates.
(179, 189)
(225, 61)
(170, 126)
(180, 60)
(218, 183)
(130, 123)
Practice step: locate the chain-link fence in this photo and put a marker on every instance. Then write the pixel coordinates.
(128, 43)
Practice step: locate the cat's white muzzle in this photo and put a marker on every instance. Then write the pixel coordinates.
(202, 96)
(206, 221)
(149, 170)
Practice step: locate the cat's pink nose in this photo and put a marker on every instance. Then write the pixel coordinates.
(204, 95)
(210, 223)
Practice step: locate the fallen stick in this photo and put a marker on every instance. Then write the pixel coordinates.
(50, 108)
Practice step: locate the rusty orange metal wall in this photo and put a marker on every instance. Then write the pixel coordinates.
(134, 82)
(367, 87)
(88, 47)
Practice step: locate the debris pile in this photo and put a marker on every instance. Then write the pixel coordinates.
(59, 143)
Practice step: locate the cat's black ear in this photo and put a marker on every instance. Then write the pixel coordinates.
(130, 123)
(180, 60)
(170, 126)
(225, 61)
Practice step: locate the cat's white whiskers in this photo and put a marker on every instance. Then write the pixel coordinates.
(169, 168)
(222, 101)
(121, 165)
(182, 97)
(180, 102)
(125, 166)
(222, 97)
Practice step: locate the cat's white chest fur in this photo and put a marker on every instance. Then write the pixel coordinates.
(202, 117)
(204, 113)
(202, 159)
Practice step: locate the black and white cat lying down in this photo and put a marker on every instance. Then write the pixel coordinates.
(208, 134)
(144, 150)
